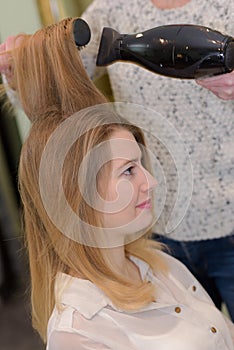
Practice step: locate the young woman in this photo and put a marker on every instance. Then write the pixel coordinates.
(98, 281)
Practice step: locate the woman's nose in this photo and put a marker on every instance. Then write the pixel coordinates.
(149, 182)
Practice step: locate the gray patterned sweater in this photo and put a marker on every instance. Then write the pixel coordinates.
(203, 122)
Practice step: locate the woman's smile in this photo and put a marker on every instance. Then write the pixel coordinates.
(145, 205)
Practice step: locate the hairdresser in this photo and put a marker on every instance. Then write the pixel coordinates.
(204, 240)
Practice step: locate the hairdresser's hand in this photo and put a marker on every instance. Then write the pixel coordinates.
(5, 54)
(221, 85)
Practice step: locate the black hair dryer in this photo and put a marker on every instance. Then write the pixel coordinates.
(179, 51)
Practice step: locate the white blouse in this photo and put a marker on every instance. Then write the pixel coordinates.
(182, 318)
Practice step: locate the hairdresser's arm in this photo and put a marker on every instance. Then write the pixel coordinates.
(221, 85)
(61, 340)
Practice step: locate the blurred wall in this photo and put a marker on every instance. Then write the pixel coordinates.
(19, 16)
(15, 16)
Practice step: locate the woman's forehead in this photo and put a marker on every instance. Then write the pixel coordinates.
(123, 145)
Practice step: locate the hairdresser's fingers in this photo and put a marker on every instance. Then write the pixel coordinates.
(222, 86)
(2, 47)
(219, 80)
(4, 58)
(222, 93)
(11, 43)
(5, 54)
(227, 94)
(210, 80)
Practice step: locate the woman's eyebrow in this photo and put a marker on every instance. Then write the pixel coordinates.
(127, 161)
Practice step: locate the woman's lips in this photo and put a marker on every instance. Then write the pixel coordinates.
(145, 205)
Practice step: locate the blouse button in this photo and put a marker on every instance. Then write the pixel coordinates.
(213, 330)
(177, 309)
(194, 288)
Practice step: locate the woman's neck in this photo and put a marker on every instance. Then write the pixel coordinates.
(117, 260)
(122, 265)
(169, 4)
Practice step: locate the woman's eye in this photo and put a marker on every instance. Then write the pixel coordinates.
(129, 171)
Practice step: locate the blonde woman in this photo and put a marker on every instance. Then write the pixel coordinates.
(98, 281)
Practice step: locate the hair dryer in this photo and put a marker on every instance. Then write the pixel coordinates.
(179, 51)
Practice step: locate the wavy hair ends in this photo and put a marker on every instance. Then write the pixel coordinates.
(48, 73)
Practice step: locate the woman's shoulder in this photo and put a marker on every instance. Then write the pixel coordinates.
(181, 275)
(176, 267)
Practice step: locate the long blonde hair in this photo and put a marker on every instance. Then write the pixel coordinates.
(52, 85)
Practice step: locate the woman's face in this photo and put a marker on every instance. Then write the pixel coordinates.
(127, 186)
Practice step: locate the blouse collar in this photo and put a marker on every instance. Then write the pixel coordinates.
(84, 295)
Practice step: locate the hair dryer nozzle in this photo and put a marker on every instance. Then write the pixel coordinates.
(109, 47)
(81, 32)
(229, 59)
